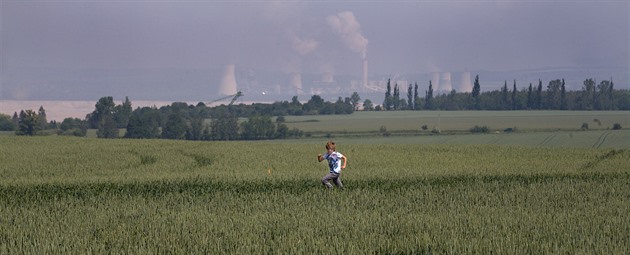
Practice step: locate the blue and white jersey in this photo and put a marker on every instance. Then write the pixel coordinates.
(334, 161)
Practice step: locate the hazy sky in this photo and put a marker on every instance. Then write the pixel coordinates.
(315, 36)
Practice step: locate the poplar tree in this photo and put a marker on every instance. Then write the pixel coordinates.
(476, 91)
(410, 97)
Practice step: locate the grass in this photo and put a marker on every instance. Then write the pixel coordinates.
(458, 120)
(81, 195)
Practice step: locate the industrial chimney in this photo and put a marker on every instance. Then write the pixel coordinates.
(228, 83)
(365, 71)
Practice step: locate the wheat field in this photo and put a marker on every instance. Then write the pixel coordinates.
(80, 195)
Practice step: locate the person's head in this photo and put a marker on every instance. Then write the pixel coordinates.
(330, 146)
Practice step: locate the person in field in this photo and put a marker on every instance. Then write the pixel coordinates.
(334, 163)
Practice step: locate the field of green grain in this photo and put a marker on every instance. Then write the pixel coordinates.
(459, 120)
(62, 195)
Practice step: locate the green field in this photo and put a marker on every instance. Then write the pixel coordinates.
(64, 195)
(460, 120)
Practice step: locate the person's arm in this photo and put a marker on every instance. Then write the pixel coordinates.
(320, 157)
(345, 160)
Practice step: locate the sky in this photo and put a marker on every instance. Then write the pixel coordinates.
(413, 36)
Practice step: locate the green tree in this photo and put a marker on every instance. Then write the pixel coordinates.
(122, 113)
(41, 118)
(175, 126)
(396, 98)
(257, 128)
(355, 99)
(563, 96)
(539, 96)
(603, 96)
(282, 131)
(107, 127)
(388, 103)
(15, 119)
(530, 97)
(367, 105)
(428, 99)
(6, 124)
(416, 99)
(144, 123)
(410, 103)
(553, 94)
(314, 105)
(103, 118)
(224, 127)
(73, 126)
(28, 123)
(476, 91)
(587, 95)
(504, 97)
(514, 99)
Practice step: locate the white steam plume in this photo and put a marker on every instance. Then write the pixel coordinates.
(304, 46)
(349, 29)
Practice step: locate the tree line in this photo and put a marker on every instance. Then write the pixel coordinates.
(180, 120)
(251, 122)
(554, 96)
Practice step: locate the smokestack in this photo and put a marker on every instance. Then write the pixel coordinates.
(228, 83)
(466, 84)
(445, 83)
(365, 73)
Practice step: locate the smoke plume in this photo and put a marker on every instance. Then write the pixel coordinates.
(349, 29)
(303, 46)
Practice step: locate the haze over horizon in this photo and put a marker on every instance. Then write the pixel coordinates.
(187, 42)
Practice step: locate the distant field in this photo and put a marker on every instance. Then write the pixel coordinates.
(67, 195)
(619, 139)
(459, 120)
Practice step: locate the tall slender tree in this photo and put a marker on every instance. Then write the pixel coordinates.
(539, 95)
(41, 118)
(514, 99)
(396, 99)
(530, 97)
(416, 98)
(428, 101)
(563, 96)
(504, 96)
(410, 97)
(476, 91)
(387, 103)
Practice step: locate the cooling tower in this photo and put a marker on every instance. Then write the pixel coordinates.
(296, 81)
(445, 82)
(435, 81)
(327, 77)
(228, 83)
(466, 83)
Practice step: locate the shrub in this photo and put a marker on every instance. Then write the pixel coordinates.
(384, 131)
(510, 130)
(616, 126)
(424, 127)
(478, 129)
(584, 126)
